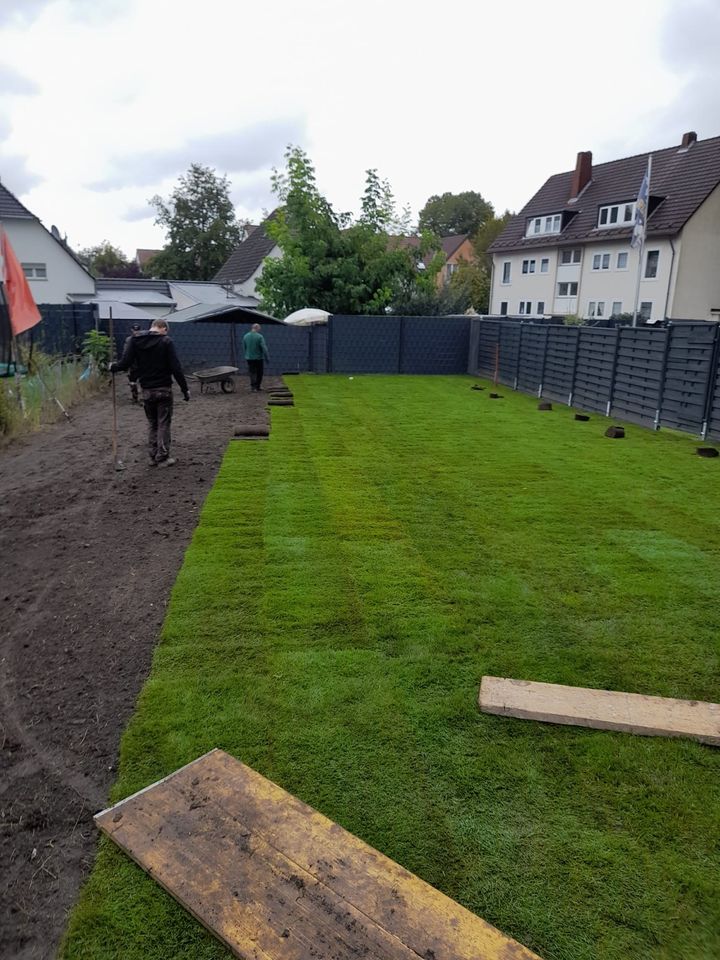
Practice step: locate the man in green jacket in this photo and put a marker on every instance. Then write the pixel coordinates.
(256, 353)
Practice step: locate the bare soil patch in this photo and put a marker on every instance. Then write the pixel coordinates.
(89, 557)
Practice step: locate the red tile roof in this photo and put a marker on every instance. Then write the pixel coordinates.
(682, 178)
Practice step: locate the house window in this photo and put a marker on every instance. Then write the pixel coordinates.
(541, 306)
(601, 261)
(35, 271)
(616, 308)
(596, 308)
(544, 265)
(645, 310)
(525, 307)
(571, 256)
(567, 289)
(548, 224)
(506, 272)
(651, 264)
(616, 215)
(503, 308)
(622, 259)
(528, 266)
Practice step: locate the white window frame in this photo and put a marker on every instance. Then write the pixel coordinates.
(653, 276)
(568, 284)
(622, 253)
(525, 308)
(614, 312)
(528, 266)
(601, 261)
(503, 308)
(35, 271)
(574, 255)
(545, 224)
(506, 273)
(644, 314)
(540, 308)
(612, 216)
(544, 265)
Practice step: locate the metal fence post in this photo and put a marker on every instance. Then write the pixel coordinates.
(663, 374)
(544, 361)
(575, 364)
(401, 331)
(712, 376)
(611, 391)
(519, 356)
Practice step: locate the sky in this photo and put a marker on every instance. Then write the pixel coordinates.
(105, 103)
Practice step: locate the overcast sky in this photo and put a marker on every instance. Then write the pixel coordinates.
(104, 103)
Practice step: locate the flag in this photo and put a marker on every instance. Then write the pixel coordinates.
(18, 295)
(641, 205)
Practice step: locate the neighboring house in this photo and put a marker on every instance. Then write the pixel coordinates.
(568, 250)
(54, 272)
(162, 298)
(455, 249)
(243, 268)
(143, 256)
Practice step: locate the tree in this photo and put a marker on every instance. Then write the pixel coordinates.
(327, 261)
(487, 233)
(106, 261)
(455, 213)
(201, 225)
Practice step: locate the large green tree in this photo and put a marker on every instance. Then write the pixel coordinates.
(106, 261)
(328, 261)
(455, 213)
(201, 226)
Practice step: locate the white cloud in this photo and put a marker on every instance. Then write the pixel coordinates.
(16, 175)
(14, 83)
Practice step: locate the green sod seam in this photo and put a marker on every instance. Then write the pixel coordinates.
(348, 585)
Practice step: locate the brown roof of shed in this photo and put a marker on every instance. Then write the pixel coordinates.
(247, 256)
(682, 178)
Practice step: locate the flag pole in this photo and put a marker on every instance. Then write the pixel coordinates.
(642, 245)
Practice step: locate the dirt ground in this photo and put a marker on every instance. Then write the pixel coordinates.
(89, 557)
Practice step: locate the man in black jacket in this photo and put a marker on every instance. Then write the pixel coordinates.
(153, 354)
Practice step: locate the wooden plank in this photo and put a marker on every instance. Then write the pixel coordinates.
(274, 879)
(601, 709)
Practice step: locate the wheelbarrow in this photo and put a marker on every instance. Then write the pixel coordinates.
(225, 376)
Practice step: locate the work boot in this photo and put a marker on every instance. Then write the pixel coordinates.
(168, 462)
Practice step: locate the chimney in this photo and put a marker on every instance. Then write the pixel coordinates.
(688, 138)
(583, 174)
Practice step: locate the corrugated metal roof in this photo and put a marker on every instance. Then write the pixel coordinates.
(205, 311)
(681, 177)
(136, 296)
(209, 293)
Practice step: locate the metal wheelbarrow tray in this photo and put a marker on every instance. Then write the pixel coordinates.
(225, 376)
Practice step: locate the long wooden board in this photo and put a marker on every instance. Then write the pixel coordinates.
(602, 709)
(274, 879)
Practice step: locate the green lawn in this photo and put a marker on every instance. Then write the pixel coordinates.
(350, 582)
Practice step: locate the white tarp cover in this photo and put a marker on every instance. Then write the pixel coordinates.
(307, 316)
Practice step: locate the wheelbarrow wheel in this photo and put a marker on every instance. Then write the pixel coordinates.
(228, 385)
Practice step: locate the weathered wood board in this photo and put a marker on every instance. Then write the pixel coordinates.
(602, 709)
(273, 879)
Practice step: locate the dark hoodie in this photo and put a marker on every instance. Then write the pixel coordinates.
(153, 356)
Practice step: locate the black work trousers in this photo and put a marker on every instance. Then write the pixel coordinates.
(158, 403)
(256, 369)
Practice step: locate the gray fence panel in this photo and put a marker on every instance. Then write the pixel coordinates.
(639, 374)
(713, 423)
(63, 327)
(474, 347)
(434, 345)
(488, 344)
(559, 373)
(533, 351)
(594, 368)
(687, 374)
(509, 352)
(364, 344)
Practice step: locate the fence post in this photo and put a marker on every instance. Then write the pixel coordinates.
(710, 387)
(663, 373)
(611, 391)
(544, 361)
(473, 347)
(575, 364)
(519, 355)
(328, 345)
(401, 332)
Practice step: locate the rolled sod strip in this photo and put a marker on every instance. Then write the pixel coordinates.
(281, 402)
(601, 709)
(253, 431)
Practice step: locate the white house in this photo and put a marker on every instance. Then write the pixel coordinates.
(243, 268)
(568, 250)
(53, 271)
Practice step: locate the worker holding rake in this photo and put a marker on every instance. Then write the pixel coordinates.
(154, 356)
